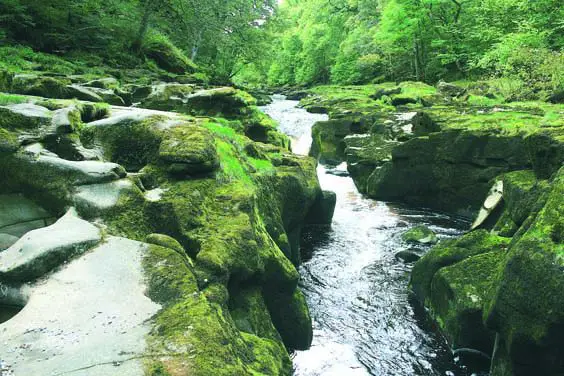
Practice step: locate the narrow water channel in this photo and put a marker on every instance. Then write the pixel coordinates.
(356, 289)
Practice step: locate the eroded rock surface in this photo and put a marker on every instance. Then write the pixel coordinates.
(178, 250)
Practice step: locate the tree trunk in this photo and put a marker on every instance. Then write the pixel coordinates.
(416, 60)
(196, 46)
(143, 27)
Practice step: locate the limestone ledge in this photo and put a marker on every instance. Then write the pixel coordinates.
(195, 221)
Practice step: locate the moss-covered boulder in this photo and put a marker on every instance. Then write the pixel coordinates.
(164, 97)
(455, 281)
(321, 213)
(526, 309)
(41, 86)
(420, 235)
(457, 299)
(328, 140)
(222, 102)
(450, 252)
(450, 170)
(131, 140)
(189, 150)
(167, 55)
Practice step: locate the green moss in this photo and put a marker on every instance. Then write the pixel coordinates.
(169, 277)
(420, 234)
(167, 56)
(8, 141)
(250, 314)
(291, 317)
(189, 149)
(450, 252)
(457, 298)
(12, 99)
(132, 144)
(482, 101)
(231, 167)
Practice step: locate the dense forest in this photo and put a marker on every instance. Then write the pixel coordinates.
(362, 41)
(306, 42)
(218, 35)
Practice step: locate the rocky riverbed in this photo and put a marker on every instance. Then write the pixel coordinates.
(495, 292)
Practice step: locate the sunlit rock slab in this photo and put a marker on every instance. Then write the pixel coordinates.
(90, 318)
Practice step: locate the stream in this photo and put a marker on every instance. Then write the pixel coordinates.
(357, 291)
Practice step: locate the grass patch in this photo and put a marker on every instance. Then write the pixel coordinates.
(12, 99)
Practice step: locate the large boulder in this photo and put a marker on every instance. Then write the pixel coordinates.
(450, 170)
(41, 86)
(226, 101)
(189, 150)
(164, 97)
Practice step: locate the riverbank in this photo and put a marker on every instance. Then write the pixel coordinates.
(445, 148)
(188, 207)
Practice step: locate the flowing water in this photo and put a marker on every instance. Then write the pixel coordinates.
(356, 289)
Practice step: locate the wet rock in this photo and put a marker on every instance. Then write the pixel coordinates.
(450, 90)
(296, 95)
(420, 235)
(39, 251)
(82, 93)
(328, 140)
(408, 256)
(291, 318)
(321, 213)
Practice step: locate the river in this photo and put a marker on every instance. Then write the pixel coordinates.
(357, 291)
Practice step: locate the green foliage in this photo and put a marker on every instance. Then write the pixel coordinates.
(223, 36)
(12, 99)
(362, 41)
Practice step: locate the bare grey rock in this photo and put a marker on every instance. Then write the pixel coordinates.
(42, 250)
(90, 318)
